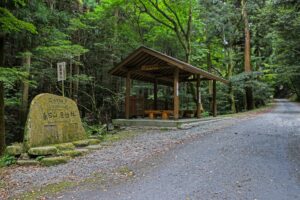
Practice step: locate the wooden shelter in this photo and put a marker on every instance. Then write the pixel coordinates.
(145, 64)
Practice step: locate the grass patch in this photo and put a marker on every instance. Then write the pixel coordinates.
(98, 180)
(254, 111)
(125, 171)
(96, 177)
(123, 135)
(50, 189)
(2, 183)
(164, 129)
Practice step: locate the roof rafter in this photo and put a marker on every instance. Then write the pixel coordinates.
(146, 56)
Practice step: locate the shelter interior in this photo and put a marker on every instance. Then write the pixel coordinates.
(148, 65)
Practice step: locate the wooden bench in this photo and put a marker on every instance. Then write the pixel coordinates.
(152, 113)
(163, 113)
(166, 114)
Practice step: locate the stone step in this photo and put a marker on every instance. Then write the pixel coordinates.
(43, 151)
(27, 162)
(50, 161)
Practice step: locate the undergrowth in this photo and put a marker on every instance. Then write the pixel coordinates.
(7, 160)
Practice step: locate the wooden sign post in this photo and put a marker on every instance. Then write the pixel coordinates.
(61, 75)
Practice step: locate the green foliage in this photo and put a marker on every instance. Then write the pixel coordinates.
(10, 75)
(205, 114)
(76, 24)
(94, 129)
(9, 23)
(261, 90)
(61, 52)
(39, 158)
(7, 160)
(280, 24)
(13, 101)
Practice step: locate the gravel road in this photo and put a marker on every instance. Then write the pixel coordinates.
(254, 158)
(248, 156)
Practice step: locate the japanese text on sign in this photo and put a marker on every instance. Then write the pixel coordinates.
(61, 71)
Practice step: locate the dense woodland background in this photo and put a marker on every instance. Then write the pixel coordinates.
(253, 43)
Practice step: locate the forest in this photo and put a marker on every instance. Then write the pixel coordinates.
(254, 44)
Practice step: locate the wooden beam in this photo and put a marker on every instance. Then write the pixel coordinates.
(155, 94)
(214, 98)
(132, 68)
(124, 62)
(194, 80)
(127, 98)
(176, 94)
(184, 66)
(199, 103)
(148, 75)
(154, 67)
(163, 57)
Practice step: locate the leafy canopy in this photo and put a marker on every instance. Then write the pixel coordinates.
(9, 23)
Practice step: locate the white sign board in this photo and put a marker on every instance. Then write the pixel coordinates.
(61, 71)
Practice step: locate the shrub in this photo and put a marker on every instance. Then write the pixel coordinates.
(7, 160)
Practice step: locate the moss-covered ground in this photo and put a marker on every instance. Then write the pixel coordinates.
(123, 135)
(44, 191)
(97, 180)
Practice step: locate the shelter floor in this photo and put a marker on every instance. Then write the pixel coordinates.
(159, 123)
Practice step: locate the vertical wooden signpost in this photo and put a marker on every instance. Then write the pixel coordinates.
(155, 94)
(61, 75)
(199, 103)
(176, 94)
(214, 98)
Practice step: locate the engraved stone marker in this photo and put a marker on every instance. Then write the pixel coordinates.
(52, 119)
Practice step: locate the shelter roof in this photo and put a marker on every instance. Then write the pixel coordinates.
(149, 65)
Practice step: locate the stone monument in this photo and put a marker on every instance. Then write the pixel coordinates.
(52, 119)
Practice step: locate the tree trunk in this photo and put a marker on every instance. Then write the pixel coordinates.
(25, 91)
(50, 82)
(230, 71)
(210, 82)
(2, 122)
(232, 99)
(76, 82)
(247, 57)
(71, 82)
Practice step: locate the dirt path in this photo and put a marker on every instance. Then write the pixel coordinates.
(256, 159)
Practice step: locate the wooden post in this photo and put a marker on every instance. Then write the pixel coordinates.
(199, 103)
(176, 94)
(214, 98)
(155, 94)
(2, 120)
(25, 92)
(71, 82)
(127, 98)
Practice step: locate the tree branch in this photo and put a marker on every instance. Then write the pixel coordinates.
(189, 24)
(217, 70)
(163, 13)
(153, 17)
(176, 16)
